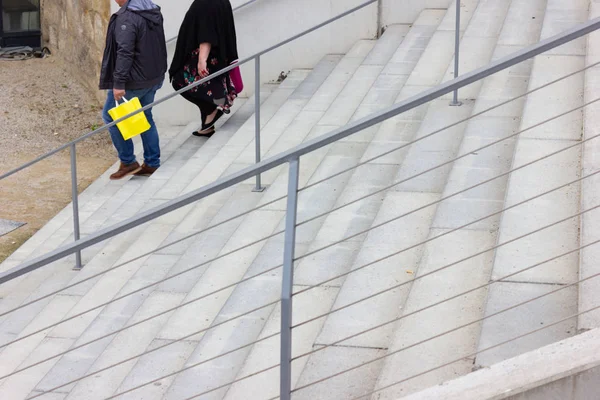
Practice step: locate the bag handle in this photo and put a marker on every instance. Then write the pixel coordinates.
(117, 103)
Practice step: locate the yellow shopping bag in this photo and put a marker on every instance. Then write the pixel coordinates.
(132, 126)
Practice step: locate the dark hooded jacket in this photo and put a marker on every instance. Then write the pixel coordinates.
(135, 56)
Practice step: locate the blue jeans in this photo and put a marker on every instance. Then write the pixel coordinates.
(149, 138)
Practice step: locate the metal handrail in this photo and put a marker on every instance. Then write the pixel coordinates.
(256, 57)
(337, 208)
(169, 41)
(371, 263)
(187, 88)
(292, 157)
(373, 227)
(305, 148)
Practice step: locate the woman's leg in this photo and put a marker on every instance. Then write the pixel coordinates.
(208, 111)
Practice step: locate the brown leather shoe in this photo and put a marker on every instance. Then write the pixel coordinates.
(145, 170)
(125, 170)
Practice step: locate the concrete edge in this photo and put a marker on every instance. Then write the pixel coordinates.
(523, 373)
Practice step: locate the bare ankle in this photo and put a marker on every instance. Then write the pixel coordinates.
(211, 117)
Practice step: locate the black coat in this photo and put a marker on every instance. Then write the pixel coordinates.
(207, 21)
(135, 56)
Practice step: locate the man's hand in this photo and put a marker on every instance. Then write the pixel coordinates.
(119, 94)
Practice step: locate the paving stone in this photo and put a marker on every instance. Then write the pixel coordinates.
(426, 324)
(327, 362)
(467, 9)
(434, 150)
(488, 19)
(434, 61)
(351, 96)
(561, 17)
(387, 45)
(266, 352)
(15, 355)
(309, 86)
(153, 366)
(541, 212)
(555, 99)
(338, 79)
(525, 319)
(476, 52)
(455, 213)
(527, 16)
(326, 264)
(126, 344)
(380, 243)
(111, 283)
(20, 386)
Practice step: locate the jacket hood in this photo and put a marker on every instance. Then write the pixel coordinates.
(146, 9)
(141, 5)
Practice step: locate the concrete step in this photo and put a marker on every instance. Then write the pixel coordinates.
(402, 233)
(222, 235)
(588, 290)
(102, 289)
(216, 240)
(263, 290)
(373, 75)
(116, 250)
(96, 206)
(103, 203)
(169, 187)
(91, 199)
(526, 183)
(335, 226)
(459, 211)
(108, 203)
(145, 274)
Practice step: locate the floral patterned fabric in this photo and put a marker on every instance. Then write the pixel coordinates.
(219, 91)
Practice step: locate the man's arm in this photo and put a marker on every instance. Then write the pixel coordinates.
(125, 36)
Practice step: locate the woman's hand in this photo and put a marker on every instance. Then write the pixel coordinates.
(202, 68)
(203, 53)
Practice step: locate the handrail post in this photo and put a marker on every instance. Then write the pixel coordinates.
(288, 281)
(258, 187)
(75, 199)
(455, 101)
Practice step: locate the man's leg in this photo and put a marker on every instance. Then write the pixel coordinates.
(124, 147)
(150, 138)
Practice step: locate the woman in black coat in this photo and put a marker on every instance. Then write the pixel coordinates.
(206, 44)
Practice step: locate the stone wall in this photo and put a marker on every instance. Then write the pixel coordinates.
(75, 31)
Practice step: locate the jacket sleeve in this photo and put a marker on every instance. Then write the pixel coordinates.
(126, 38)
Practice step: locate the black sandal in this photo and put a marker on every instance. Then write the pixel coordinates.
(207, 133)
(212, 123)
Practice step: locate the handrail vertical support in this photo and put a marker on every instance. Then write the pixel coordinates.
(379, 18)
(75, 200)
(288, 281)
(258, 187)
(455, 101)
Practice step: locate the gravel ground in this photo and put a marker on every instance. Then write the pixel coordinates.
(41, 108)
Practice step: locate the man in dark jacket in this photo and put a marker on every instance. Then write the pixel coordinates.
(134, 65)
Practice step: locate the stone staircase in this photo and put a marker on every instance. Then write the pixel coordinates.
(374, 74)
